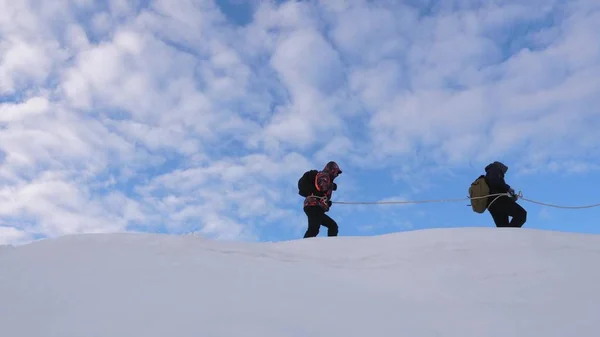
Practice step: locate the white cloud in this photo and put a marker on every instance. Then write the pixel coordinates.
(13, 236)
(163, 116)
(459, 100)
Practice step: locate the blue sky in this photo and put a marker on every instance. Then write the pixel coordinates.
(196, 116)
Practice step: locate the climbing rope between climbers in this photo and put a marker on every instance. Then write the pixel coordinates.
(519, 195)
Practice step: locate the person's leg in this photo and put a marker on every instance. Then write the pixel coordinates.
(315, 218)
(498, 210)
(518, 214)
(500, 218)
(332, 226)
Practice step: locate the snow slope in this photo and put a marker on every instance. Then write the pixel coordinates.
(443, 282)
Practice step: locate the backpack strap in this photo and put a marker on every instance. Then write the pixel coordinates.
(317, 182)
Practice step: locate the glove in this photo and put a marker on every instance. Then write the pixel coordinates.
(513, 195)
(333, 186)
(329, 203)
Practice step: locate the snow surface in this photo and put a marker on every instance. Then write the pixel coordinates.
(442, 282)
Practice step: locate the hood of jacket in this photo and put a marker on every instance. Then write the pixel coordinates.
(498, 166)
(333, 169)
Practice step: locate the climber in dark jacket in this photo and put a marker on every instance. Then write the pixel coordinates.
(315, 207)
(501, 207)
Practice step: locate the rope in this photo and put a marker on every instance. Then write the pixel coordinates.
(415, 201)
(560, 206)
(498, 195)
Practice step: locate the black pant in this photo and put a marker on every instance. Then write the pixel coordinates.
(504, 207)
(317, 217)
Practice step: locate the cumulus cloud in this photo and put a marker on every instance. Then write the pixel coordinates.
(161, 116)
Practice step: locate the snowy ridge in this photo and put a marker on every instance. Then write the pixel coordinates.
(6, 247)
(442, 282)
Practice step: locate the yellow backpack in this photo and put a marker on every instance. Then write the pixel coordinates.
(479, 188)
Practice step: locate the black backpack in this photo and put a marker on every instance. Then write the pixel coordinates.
(306, 183)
